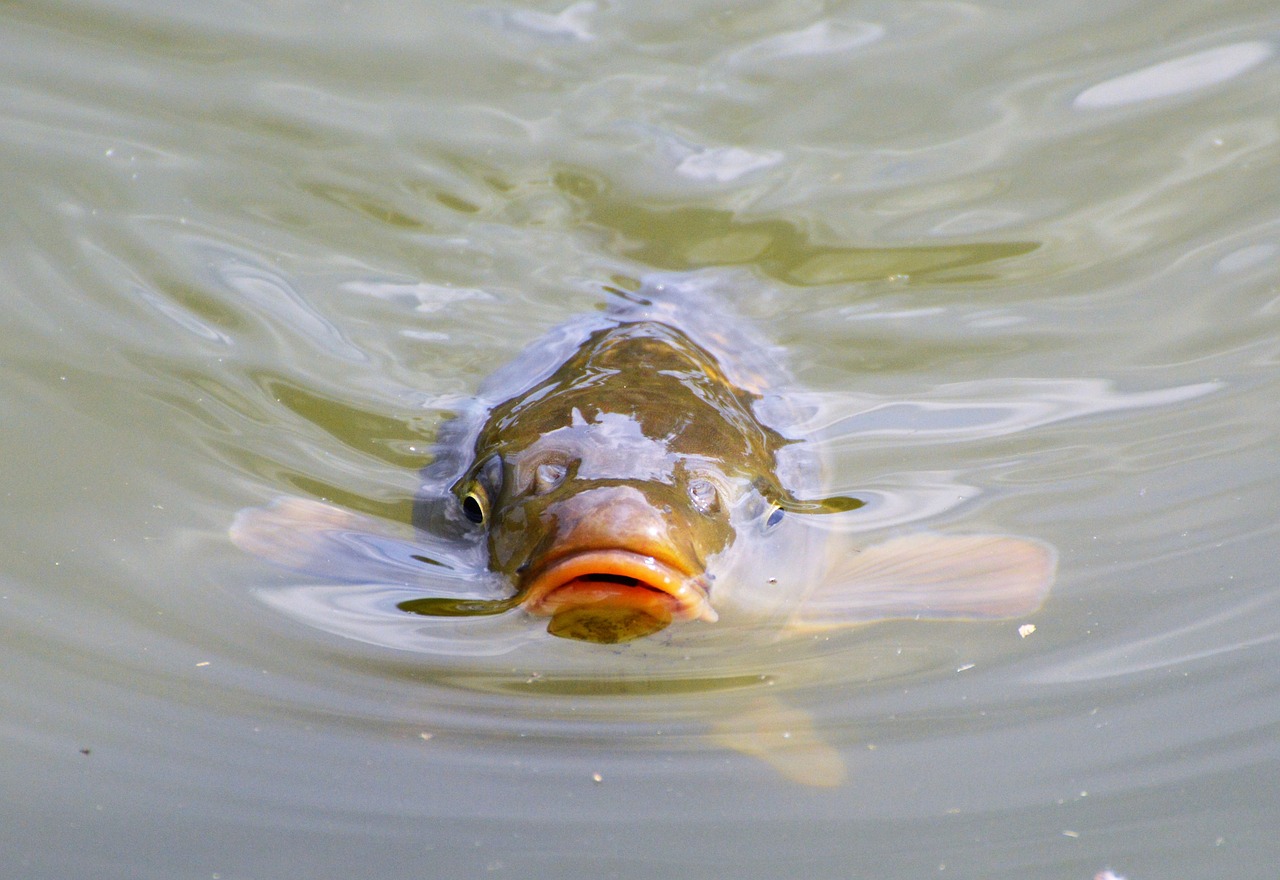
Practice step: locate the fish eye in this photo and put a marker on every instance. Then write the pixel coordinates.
(475, 505)
(548, 475)
(774, 518)
(703, 493)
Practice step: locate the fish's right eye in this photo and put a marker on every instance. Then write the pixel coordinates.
(475, 505)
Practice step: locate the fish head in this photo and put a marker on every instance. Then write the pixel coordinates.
(606, 529)
(622, 556)
(608, 490)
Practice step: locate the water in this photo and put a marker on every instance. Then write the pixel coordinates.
(1024, 260)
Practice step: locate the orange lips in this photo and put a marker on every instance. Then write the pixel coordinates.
(619, 580)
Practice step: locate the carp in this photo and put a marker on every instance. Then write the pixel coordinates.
(634, 469)
(643, 469)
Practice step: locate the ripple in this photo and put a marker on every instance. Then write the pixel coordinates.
(981, 409)
(827, 37)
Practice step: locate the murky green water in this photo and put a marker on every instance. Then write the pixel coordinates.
(1024, 257)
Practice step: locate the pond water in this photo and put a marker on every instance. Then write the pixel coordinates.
(1024, 259)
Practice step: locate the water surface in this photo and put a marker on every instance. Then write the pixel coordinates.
(1022, 259)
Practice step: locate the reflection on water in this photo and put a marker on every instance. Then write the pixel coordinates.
(973, 410)
(1179, 76)
(1174, 643)
(1021, 259)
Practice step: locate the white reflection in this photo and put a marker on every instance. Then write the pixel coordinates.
(698, 161)
(419, 296)
(571, 23)
(978, 221)
(1201, 639)
(821, 38)
(1178, 76)
(976, 410)
(898, 500)
(723, 164)
(182, 317)
(1245, 258)
(271, 295)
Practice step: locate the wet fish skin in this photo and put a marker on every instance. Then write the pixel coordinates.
(636, 450)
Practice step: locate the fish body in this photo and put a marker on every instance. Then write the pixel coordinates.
(641, 468)
(624, 474)
(637, 468)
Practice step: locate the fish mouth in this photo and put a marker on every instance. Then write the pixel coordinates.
(618, 578)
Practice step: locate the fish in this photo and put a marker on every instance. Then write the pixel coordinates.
(613, 486)
(639, 469)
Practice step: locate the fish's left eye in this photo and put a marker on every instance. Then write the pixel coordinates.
(475, 505)
(704, 495)
(774, 518)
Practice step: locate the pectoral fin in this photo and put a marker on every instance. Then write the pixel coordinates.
(934, 577)
(320, 539)
(783, 737)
